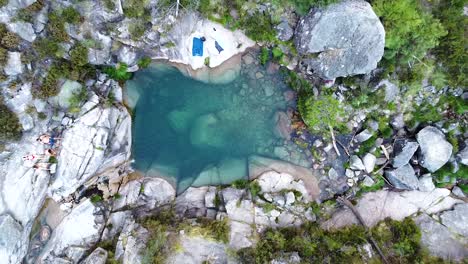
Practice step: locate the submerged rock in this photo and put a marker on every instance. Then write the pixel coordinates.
(347, 38)
(435, 150)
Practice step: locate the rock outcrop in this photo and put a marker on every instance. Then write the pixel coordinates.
(98, 141)
(346, 39)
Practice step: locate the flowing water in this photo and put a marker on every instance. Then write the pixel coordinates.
(198, 133)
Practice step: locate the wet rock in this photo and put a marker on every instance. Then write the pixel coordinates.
(355, 163)
(403, 178)
(13, 66)
(439, 240)
(426, 184)
(403, 150)
(283, 125)
(347, 37)
(376, 206)
(435, 150)
(369, 162)
(98, 256)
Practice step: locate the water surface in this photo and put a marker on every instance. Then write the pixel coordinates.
(199, 133)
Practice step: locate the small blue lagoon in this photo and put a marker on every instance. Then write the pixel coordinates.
(197, 133)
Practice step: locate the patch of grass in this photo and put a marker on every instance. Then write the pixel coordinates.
(118, 73)
(10, 40)
(259, 27)
(264, 55)
(109, 4)
(302, 7)
(76, 99)
(207, 61)
(254, 188)
(46, 48)
(277, 54)
(79, 55)
(320, 113)
(96, 198)
(268, 207)
(137, 29)
(56, 28)
(445, 176)
(3, 3)
(71, 15)
(144, 62)
(240, 184)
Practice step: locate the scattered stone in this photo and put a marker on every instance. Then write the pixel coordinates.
(398, 122)
(355, 163)
(13, 66)
(426, 184)
(285, 32)
(258, 75)
(368, 181)
(435, 150)
(457, 191)
(403, 178)
(347, 37)
(463, 155)
(98, 256)
(403, 150)
(363, 136)
(369, 162)
(131, 244)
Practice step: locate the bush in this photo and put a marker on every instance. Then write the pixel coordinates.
(3, 3)
(144, 62)
(10, 127)
(56, 28)
(452, 48)
(3, 57)
(137, 29)
(264, 55)
(303, 6)
(259, 27)
(27, 13)
(10, 40)
(70, 15)
(319, 114)
(46, 48)
(119, 73)
(96, 198)
(79, 55)
(409, 30)
(77, 98)
(109, 4)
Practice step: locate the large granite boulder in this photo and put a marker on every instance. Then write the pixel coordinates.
(11, 248)
(347, 39)
(148, 193)
(98, 141)
(376, 206)
(435, 150)
(76, 234)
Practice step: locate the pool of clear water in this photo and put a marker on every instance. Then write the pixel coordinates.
(198, 133)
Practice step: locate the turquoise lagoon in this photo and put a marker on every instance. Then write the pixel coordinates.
(198, 133)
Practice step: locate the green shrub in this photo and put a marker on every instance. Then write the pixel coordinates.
(207, 61)
(118, 73)
(109, 4)
(79, 55)
(96, 198)
(452, 48)
(71, 15)
(46, 48)
(10, 40)
(254, 188)
(264, 55)
(409, 30)
(10, 127)
(277, 54)
(297, 83)
(240, 184)
(219, 230)
(144, 62)
(319, 114)
(3, 57)
(303, 6)
(156, 246)
(56, 28)
(3, 3)
(259, 27)
(137, 29)
(27, 13)
(77, 98)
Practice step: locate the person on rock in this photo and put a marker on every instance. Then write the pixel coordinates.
(46, 139)
(42, 166)
(33, 157)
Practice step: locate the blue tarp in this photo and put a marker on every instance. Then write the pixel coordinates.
(218, 47)
(197, 48)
